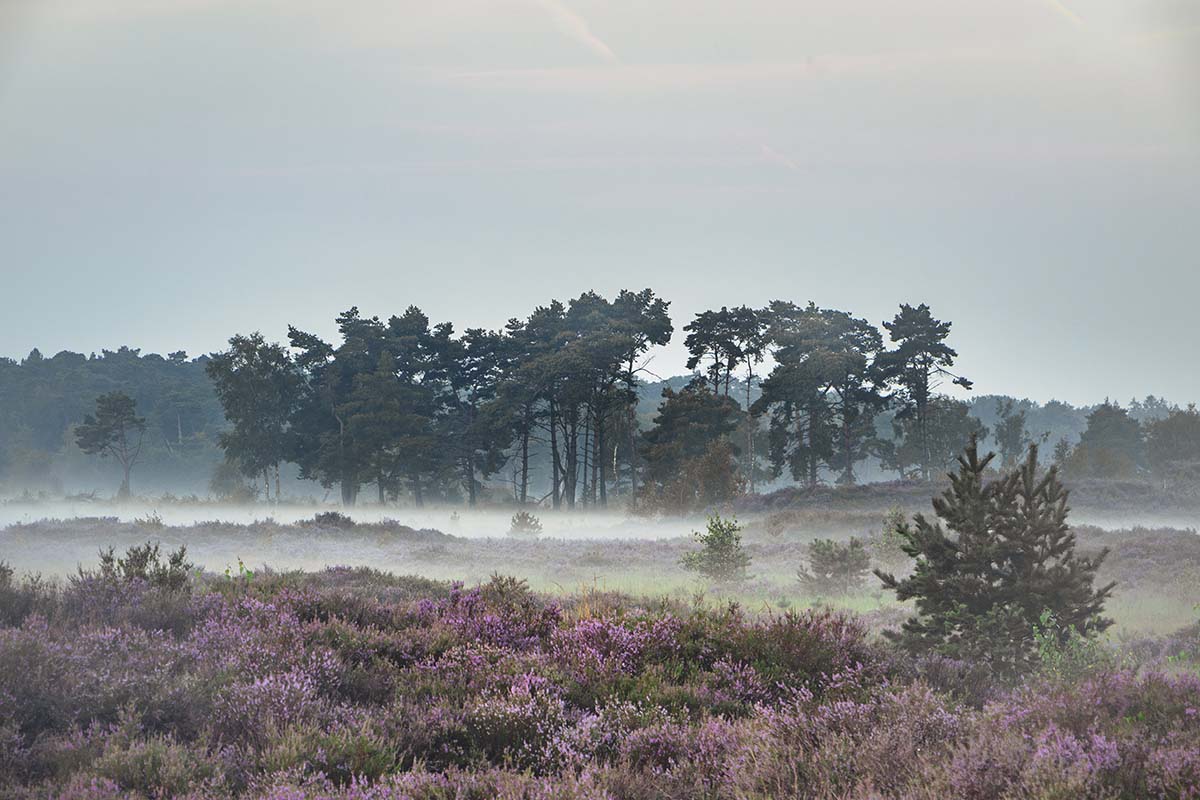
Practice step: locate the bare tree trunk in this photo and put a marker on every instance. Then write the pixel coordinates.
(572, 466)
(751, 426)
(633, 485)
(602, 462)
(556, 494)
(587, 432)
(471, 478)
(525, 454)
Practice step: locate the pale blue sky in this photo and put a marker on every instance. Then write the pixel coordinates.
(174, 172)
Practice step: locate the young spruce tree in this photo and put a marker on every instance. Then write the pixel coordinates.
(1005, 556)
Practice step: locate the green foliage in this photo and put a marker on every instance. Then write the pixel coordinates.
(921, 360)
(688, 422)
(258, 386)
(228, 483)
(1005, 556)
(145, 563)
(1011, 435)
(721, 557)
(243, 575)
(1065, 654)
(19, 598)
(43, 399)
(835, 568)
(824, 391)
(923, 447)
(1173, 446)
(887, 543)
(1110, 447)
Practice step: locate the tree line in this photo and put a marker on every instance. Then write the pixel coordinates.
(412, 408)
(560, 408)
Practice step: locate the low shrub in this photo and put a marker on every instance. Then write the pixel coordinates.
(525, 524)
(834, 568)
(721, 556)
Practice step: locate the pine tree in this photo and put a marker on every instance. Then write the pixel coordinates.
(1005, 556)
(110, 433)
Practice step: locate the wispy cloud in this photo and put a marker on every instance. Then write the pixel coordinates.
(1062, 9)
(775, 157)
(578, 29)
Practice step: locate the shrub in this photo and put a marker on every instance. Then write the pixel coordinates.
(887, 543)
(333, 519)
(143, 563)
(525, 524)
(721, 557)
(1011, 556)
(1065, 654)
(835, 568)
(20, 598)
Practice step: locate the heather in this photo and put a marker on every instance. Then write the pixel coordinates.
(356, 683)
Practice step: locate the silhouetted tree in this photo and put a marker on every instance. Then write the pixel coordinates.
(824, 391)
(1010, 433)
(688, 422)
(1173, 445)
(111, 431)
(1110, 447)
(949, 427)
(258, 386)
(921, 360)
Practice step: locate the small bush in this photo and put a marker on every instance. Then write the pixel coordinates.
(1065, 654)
(835, 568)
(333, 519)
(525, 524)
(20, 598)
(887, 544)
(153, 521)
(144, 563)
(721, 557)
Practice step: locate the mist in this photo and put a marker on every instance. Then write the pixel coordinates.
(600, 401)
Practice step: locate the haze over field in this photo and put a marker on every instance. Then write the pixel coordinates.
(207, 166)
(599, 400)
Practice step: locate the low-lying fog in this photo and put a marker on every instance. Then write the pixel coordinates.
(475, 524)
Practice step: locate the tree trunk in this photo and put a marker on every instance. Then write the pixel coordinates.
(278, 493)
(602, 462)
(418, 497)
(554, 462)
(587, 442)
(471, 478)
(123, 493)
(751, 424)
(633, 486)
(572, 466)
(525, 456)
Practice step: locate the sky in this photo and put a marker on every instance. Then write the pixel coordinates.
(172, 173)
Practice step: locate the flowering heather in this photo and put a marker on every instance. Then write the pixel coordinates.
(354, 684)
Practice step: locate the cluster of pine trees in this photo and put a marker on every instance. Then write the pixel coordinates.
(558, 407)
(413, 409)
